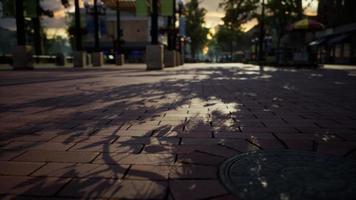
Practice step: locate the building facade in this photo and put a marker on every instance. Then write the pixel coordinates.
(337, 44)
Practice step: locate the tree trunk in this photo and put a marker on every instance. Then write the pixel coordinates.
(279, 49)
(231, 50)
(299, 4)
(20, 23)
(78, 34)
(193, 53)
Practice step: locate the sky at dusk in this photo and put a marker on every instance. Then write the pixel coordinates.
(55, 25)
(215, 13)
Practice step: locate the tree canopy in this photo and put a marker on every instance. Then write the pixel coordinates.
(238, 12)
(195, 26)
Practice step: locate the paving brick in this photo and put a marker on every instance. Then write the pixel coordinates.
(147, 140)
(200, 158)
(41, 136)
(267, 144)
(202, 141)
(111, 130)
(188, 119)
(105, 188)
(217, 150)
(148, 172)
(10, 154)
(240, 145)
(196, 189)
(70, 170)
(226, 197)
(57, 156)
(336, 148)
(189, 171)
(136, 132)
(50, 146)
(302, 145)
(105, 147)
(33, 186)
(135, 159)
(83, 139)
(8, 168)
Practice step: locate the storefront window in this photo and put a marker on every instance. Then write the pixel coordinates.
(347, 51)
(338, 51)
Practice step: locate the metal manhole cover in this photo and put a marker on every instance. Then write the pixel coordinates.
(289, 175)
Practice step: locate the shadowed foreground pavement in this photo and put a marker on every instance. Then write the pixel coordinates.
(133, 134)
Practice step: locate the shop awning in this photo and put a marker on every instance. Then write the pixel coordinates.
(317, 42)
(338, 39)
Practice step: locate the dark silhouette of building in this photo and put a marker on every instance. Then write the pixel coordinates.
(337, 43)
(334, 13)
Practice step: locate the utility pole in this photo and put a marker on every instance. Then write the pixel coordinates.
(170, 33)
(20, 23)
(96, 27)
(78, 35)
(262, 33)
(37, 30)
(118, 26)
(154, 51)
(154, 23)
(299, 4)
(119, 56)
(22, 55)
(231, 43)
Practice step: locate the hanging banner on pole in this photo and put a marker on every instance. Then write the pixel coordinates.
(141, 8)
(167, 8)
(30, 8)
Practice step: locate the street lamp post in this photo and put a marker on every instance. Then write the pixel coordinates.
(96, 27)
(37, 31)
(262, 33)
(97, 56)
(79, 56)
(78, 35)
(182, 35)
(119, 57)
(154, 23)
(170, 54)
(20, 23)
(155, 51)
(22, 54)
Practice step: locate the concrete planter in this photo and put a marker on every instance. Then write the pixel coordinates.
(80, 59)
(98, 59)
(22, 58)
(154, 57)
(169, 58)
(178, 58)
(119, 59)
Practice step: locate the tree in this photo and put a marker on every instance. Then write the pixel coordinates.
(299, 8)
(238, 12)
(228, 38)
(195, 26)
(39, 12)
(281, 13)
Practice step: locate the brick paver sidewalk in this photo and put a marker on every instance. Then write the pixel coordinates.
(133, 134)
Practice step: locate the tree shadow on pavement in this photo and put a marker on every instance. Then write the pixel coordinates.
(166, 138)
